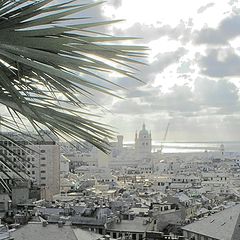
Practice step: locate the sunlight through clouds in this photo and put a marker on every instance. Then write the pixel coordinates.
(188, 40)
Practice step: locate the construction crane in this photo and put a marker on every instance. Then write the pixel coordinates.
(164, 137)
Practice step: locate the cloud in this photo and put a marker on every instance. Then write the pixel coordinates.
(180, 99)
(219, 63)
(161, 62)
(228, 29)
(116, 3)
(146, 91)
(185, 68)
(150, 100)
(151, 32)
(221, 94)
(232, 2)
(202, 109)
(206, 98)
(205, 7)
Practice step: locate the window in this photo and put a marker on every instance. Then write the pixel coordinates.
(43, 171)
(33, 172)
(43, 158)
(42, 151)
(43, 178)
(43, 165)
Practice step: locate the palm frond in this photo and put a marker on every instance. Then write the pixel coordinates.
(51, 62)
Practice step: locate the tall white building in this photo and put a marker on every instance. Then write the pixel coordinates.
(45, 170)
(42, 161)
(143, 144)
(64, 166)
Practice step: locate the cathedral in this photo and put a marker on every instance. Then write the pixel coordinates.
(143, 144)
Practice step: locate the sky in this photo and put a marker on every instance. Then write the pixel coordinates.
(192, 77)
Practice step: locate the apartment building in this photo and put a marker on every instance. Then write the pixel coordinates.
(37, 158)
(45, 170)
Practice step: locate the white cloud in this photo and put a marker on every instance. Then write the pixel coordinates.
(192, 77)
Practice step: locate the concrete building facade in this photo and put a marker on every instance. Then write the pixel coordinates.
(38, 159)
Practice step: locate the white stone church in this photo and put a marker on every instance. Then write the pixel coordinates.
(138, 156)
(143, 145)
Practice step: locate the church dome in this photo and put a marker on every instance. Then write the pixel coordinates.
(143, 133)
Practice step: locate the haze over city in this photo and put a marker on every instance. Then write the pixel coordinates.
(165, 79)
(192, 77)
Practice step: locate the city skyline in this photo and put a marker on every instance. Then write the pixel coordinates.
(116, 129)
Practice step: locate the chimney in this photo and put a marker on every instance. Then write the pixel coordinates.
(60, 224)
(44, 223)
(107, 237)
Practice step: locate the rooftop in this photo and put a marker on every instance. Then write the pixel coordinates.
(224, 225)
(139, 224)
(35, 231)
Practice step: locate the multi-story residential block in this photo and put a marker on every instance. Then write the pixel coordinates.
(64, 166)
(38, 158)
(45, 170)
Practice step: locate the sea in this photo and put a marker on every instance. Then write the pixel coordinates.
(188, 147)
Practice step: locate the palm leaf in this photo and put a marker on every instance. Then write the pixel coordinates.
(52, 63)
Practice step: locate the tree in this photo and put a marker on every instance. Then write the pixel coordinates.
(51, 61)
